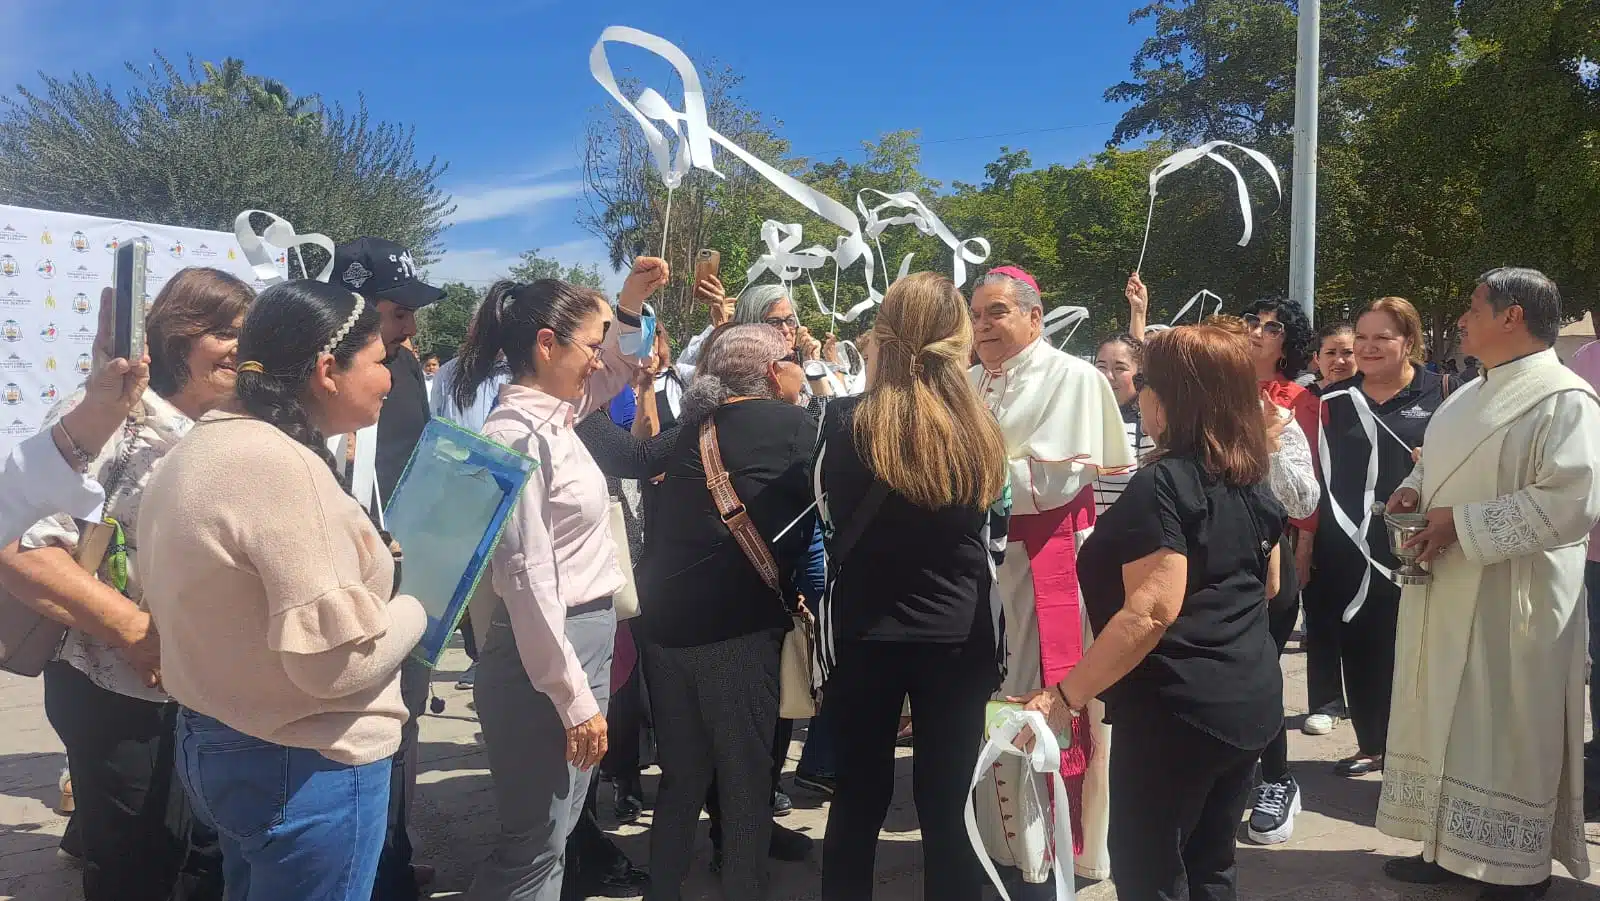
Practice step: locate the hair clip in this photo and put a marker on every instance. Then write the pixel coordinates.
(251, 366)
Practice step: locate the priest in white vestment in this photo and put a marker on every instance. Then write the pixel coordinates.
(1062, 426)
(1485, 751)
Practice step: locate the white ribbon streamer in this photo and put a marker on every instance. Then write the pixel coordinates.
(1357, 535)
(927, 222)
(1197, 299)
(1045, 758)
(1207, 151)
(280, 234)
(1062, 317)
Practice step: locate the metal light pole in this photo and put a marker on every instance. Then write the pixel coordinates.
(1303, 236)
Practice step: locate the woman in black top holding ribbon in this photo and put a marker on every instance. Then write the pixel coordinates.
(1175, 580)
(1381, 412)
(907, 477)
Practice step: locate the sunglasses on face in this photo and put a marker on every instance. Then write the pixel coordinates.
(1270, 327)
(780, 322)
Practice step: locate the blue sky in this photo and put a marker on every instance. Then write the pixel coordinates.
(501, 90)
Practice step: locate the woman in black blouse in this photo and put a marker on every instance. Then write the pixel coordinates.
(1175, 580)
(711, 626)
(1394, 396)
(907, 477)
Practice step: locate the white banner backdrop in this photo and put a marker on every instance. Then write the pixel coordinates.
(52, 267)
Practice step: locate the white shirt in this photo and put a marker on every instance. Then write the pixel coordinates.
(36, 482)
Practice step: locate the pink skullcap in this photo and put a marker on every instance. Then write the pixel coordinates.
(1017, 274)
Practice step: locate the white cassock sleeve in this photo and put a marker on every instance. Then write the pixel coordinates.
(36, 482)
(1080, 417)
(1561, 504)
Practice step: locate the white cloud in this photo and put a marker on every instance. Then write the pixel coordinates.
(489, 202)
(476, 267)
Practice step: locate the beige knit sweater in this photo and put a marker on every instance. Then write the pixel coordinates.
(270, 590)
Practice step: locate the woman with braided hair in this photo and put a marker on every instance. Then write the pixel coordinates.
(281, 632)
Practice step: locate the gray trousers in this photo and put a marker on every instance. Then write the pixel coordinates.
(716, 709)
(539, 794)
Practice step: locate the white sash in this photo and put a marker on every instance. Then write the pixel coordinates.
(1356, 534)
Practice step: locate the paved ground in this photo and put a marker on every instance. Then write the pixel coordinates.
(1335, 854)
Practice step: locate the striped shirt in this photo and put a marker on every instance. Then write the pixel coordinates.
(1108, 488)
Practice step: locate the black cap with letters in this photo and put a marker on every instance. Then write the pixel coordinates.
(382, 270)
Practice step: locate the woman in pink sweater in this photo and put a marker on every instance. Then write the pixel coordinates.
(281, 634)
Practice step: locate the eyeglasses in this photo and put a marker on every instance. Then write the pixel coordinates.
(1270, 327)
(780, 322)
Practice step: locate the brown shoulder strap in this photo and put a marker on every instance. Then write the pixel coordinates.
(732, 510)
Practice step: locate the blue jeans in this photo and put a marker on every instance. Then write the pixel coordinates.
(293, 824)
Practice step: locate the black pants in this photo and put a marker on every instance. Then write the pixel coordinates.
(469, 638)
(1366, 645)
(132, 819)
(1282, 613)
(396, 881)
(1324, 684)
(1180, 793)
(780, 755)
(948, 685)
(625, 722)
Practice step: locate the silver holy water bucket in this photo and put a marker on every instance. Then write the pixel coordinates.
(1402, 528)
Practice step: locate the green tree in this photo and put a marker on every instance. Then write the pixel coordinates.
(442, 326)
(194, 146)
(534, 266)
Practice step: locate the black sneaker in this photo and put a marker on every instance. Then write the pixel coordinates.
(467, 678)
(1272, 822)
(782, 806)
(816, 784)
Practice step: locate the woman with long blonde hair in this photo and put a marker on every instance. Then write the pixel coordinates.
(910, 478)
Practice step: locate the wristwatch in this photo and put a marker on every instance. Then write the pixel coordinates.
(815, 369)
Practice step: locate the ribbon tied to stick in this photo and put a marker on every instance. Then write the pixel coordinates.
(279, 233)
(1208, 151)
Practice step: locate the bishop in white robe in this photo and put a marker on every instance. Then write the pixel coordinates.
(1061, 426)
(1485, 757)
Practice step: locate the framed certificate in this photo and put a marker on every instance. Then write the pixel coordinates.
(447, 513)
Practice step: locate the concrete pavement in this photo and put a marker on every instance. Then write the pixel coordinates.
(1335, 852)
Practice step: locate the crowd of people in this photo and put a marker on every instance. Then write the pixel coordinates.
(957, 515)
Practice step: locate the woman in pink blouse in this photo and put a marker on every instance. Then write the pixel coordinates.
(544, 669)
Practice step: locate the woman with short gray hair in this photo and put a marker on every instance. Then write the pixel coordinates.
(713, 622)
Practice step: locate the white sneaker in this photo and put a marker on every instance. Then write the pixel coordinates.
(1318, 724)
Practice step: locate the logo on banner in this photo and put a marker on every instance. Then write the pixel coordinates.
(13, 299)
(49, 300)
(176, 250)
(50, 363)
(112, 244)
(80, 302)
(9, 267)
(10, 331)
(11, 395)
(44, 237)
(204, 251)
(17, 428)
(48, 394)
(82, 273)
(79, 242)
(46, 268)
(82, 336)
(49, 333)
(84, 364)
(230, 254)
(15, 363)
(9, 235)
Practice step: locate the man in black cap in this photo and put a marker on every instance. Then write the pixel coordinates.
(384, 273)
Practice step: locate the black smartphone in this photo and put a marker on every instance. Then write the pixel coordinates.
(129, 277)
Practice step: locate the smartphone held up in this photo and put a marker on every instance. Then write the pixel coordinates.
(130, 274)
